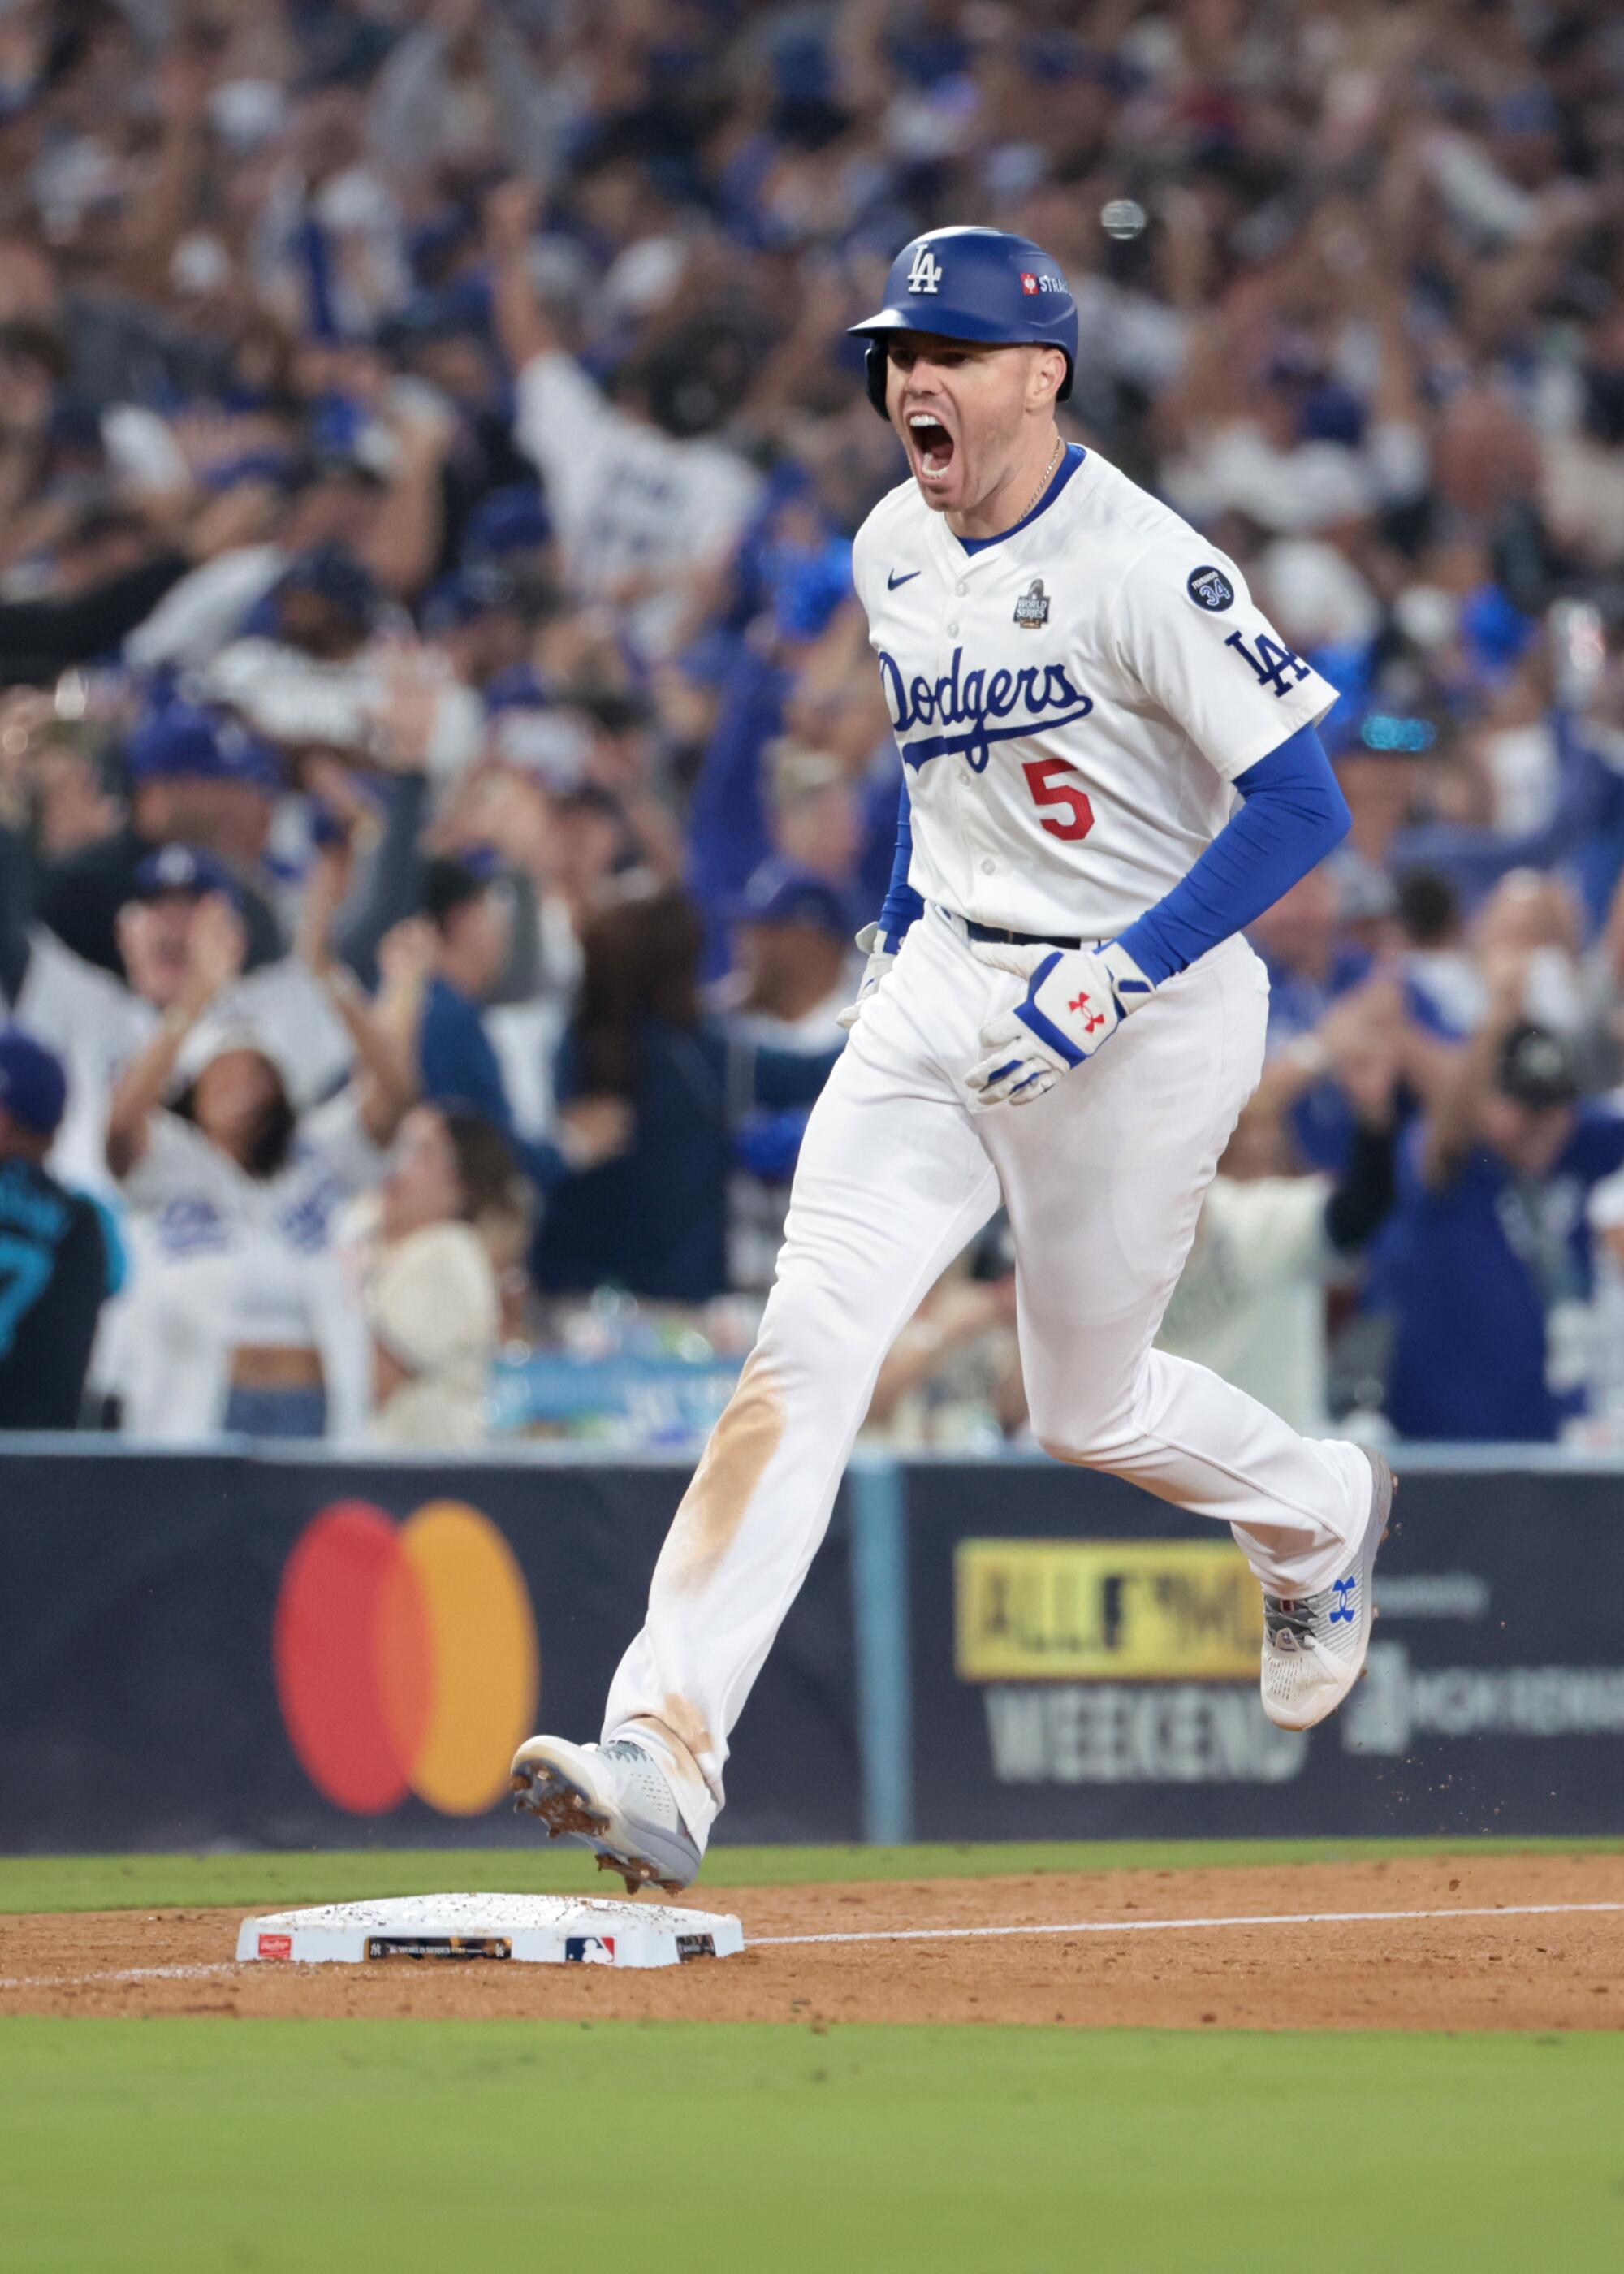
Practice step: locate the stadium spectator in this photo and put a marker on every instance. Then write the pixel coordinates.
(792, 977)
(112, 568)
(793, 958)
(1488, 1268)
(433, 428)
(655, 1220)
(449, 1219)
(952, 1380)
(1252, 1301)
(240, 1315)
(645, 501)
(467, 913)
(195, 780)
(59, 1257)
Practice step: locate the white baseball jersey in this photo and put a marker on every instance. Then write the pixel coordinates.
(1072, 701)
(628, 500)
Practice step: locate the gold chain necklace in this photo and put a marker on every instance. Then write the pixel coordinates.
(1047, 477)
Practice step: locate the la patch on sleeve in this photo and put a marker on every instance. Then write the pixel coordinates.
(1210, 588)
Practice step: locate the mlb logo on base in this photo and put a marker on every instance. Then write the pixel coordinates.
(589, 1950)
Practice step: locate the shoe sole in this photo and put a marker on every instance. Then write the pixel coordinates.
(1384, 1485)
(541, 1788)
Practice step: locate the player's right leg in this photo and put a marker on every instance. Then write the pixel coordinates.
(892, 1182)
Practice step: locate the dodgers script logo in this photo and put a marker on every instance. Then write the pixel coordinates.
(1042, 693)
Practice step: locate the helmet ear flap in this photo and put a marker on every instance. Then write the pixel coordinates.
(873, 363)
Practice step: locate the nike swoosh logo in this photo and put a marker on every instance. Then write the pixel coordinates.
(893, 580)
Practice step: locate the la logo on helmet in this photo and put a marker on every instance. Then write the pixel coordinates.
(926, 274)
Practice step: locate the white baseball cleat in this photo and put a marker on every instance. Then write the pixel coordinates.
(1314, 1646)
(613, 1799)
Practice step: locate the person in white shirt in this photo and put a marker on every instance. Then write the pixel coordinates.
(450, 1215)
(330, 675)
(642, 514)
(240, 1318)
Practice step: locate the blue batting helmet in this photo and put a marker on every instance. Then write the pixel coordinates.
(979, 284)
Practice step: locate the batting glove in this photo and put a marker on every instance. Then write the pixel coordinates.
(880, 961)
(1076, 999)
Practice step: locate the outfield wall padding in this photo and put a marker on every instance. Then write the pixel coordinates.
(141, 1703)
(250, 1648)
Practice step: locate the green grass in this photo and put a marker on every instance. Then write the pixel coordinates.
(181, 2148)
(81, 1883)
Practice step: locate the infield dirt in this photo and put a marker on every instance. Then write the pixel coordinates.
(1561, 1970)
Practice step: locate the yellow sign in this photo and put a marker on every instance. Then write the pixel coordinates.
(1099, 1610)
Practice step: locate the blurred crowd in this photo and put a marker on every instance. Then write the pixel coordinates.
(441, 768)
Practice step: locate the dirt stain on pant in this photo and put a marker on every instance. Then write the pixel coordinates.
(731, 1468)
(677, 1728)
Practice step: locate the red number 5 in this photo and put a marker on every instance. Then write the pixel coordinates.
(1046, 791)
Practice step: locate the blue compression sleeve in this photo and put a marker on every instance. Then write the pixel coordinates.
(903, 905)
(1294, 813)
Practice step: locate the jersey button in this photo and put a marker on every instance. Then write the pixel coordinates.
(989, 868)
(961, 590)
(952, 631)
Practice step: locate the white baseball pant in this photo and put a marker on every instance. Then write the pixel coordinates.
(1103, 1181)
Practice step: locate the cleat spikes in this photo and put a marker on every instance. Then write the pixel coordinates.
(612, 1799)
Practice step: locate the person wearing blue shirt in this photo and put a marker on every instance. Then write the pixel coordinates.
(1486, 1265)
(457, 1061)
(59, 1255)
(654, 1221)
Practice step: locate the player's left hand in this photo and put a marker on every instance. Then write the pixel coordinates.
(881, 958)
(1076, 999)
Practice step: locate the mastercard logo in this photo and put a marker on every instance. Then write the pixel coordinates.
(405, 1657)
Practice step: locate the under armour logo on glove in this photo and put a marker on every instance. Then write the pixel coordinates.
(1075, 1001)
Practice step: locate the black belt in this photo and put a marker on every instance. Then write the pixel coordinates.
(1005, 938)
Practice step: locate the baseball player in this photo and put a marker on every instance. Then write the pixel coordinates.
(1109, 767)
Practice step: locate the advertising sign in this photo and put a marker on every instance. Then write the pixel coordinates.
(215, 1650)
(1085, 1665)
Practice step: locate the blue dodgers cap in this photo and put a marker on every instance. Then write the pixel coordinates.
(980, 285)
(33, 1088)
(782, 892)
(184, 740)
(181, 740)
(181, 870)
(520, 687)
(335, 575)
(467, 594)
(510, 520)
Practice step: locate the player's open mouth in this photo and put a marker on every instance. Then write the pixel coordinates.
(932, 444)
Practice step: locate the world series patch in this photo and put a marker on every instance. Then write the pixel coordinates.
(1031, 608)
(1210, 588)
